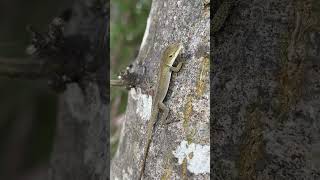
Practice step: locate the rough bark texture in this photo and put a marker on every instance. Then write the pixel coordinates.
(265, 92)
(179, 150)
(81, 145)
(81, 148)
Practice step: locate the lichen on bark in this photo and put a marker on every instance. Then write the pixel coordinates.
(188, 96)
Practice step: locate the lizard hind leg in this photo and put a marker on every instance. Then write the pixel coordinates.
(163, 120)
(165, 110)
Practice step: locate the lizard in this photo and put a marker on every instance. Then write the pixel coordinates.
(168, 58)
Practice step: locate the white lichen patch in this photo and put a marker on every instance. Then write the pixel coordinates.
(179, 3)
(197, 155)
(144, 103)
(125, 175)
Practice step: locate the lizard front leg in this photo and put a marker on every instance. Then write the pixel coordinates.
(177, 68)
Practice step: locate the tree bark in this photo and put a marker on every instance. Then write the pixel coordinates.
(179, 150)
(265, 92)
(81, 147)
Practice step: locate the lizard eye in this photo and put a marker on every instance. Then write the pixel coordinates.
(170, 55)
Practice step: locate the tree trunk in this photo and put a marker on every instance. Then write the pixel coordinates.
(81, 148)
(179, 150)
(265, 92)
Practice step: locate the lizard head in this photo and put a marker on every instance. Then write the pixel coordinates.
(171, 53)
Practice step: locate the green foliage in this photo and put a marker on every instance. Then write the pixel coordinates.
(128, 21)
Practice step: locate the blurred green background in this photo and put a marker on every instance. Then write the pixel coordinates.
(128, 23)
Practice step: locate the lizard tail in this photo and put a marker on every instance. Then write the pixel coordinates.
(150, 128)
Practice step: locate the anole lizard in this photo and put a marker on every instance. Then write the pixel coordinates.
(168, 58)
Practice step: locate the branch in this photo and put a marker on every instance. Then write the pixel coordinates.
(117, 83)
(20, 68)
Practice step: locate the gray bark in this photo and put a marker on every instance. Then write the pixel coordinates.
(265, 92)
(81, 143)
(81, 147)
(179, 150)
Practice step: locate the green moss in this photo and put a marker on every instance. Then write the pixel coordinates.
(167, 166)
(203, 74)
(186, 120)
(187, 112)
